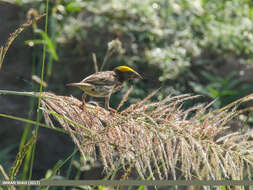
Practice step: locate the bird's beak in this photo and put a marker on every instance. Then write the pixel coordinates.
(137, 75)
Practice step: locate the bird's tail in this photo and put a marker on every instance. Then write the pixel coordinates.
(80, 85)
(73, 84)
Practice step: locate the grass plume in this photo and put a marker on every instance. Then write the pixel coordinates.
(159, 138)
(5, 47)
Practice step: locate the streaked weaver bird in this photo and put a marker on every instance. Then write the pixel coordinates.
(103, 84)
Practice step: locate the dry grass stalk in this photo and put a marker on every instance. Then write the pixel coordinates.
(160, 138)
(4, 49)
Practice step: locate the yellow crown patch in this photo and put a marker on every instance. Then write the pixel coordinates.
(124, 68)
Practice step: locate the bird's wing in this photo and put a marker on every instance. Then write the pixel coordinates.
(101, 78)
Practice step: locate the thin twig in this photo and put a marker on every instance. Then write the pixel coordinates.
(94, 58)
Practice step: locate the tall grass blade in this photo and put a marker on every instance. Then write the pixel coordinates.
(32, 152)
(49, 43)
(32, 122)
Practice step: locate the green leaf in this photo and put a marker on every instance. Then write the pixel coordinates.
(200, 89)
(74, 7)
(100, 187)
(49, 174)
(214, 92)
(210, 77)
(49, 43)
(227, 92)
(33, 42)
(232, 84)
(141, 187)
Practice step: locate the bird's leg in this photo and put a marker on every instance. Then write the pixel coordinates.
(83, 101)
(107, 106)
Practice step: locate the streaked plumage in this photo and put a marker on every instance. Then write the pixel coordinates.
(103, 84)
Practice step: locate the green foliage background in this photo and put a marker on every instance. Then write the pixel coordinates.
(180, 46)
(170, 42)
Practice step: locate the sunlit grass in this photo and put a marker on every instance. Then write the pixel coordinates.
(159, 140)
(156, 139)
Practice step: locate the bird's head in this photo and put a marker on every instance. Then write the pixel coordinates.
(126, 73)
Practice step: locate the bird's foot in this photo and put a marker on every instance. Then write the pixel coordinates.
(82, 106)
(113, 111)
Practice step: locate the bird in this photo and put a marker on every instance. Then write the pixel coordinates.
(105, 83)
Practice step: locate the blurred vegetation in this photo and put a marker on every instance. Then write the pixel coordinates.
(180, 46)
(170, 42)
